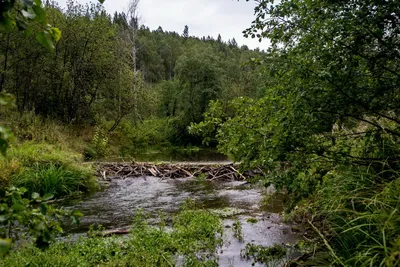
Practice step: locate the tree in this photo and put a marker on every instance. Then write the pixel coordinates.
(160, 29)
(219, 39)
(199, 75)
(332, 86)
(133, 23)
(234, 43)
(186, 32)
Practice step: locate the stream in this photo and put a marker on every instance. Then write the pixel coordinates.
(115, 205)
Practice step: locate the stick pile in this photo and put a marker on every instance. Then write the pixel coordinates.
(228, 172)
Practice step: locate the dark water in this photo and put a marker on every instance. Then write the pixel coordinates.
(114, 207)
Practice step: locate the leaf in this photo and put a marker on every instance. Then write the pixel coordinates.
(4, 218)
(55, 33)
(27, 3)
(47, 197)
(77, 213)
(5, 245)
(40, 13)
(5, 133)
(46, 40)
(7, 100)
(21, 24)
(6, 24)
(101, 1)
(17, 207)
(43, 208)
(28, 14)
(35, 195)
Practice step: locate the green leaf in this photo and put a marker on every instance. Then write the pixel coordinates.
(5, 133)
(5, 245)
(7, 100)
(46, 40)
(28, 14)
(35, 195)
(101, 1)
(17, 207)
(6, 24)
(21, 24)
(47, 197)
(55, 33)
(77, 213)
(4, 218)
(40, 13)
(27, 3)
(43, 208)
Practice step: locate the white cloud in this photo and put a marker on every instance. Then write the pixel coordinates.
(204, 17)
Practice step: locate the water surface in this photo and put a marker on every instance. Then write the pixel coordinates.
(114, 207)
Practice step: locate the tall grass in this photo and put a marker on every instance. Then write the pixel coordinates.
(51, 178)
(45, 168)
(360, 214)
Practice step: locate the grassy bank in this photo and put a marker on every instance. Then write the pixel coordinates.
(46, 169)
(355, 216)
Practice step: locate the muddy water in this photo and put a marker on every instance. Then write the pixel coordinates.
(114, 207)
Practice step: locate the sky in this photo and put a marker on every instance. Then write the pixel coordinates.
(204, 17)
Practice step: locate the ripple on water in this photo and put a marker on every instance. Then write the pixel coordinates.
(114, 207)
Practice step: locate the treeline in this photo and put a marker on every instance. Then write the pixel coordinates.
(107, 70)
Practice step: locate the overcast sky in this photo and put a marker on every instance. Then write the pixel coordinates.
(204, 17)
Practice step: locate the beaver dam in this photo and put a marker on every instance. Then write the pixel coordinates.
(218, 188)
(209, 171)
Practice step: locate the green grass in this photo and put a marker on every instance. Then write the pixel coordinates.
(45, 168)
(357, 217)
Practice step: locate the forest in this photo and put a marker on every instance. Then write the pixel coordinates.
(317, 114)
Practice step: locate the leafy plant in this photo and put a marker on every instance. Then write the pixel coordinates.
(34, 217)
(263, 254)
(237, 230)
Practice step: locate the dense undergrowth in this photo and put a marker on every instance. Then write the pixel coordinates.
(356, 215)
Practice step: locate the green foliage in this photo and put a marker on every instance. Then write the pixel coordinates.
(197, 230)
(326, 130)
(32, 217)
(6, 135)
(51, 178)
(23, 15)
(98, 145)
(263, 254)
(363, 216)
(237, 230)
(46, 169)
(145, 245)
(252, 220)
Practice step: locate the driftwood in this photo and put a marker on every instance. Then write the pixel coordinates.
(225, 172)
